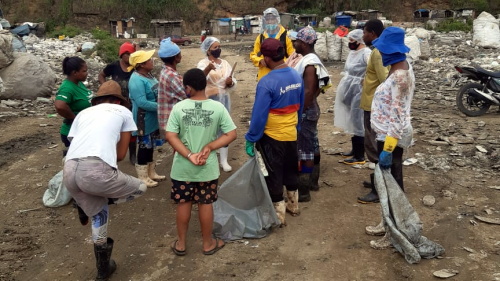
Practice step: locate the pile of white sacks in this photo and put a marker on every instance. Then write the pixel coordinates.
(331, 47)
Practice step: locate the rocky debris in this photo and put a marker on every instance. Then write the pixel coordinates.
(429, 200)
(445, 273)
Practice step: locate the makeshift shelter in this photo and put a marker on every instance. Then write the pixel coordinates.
(308, 19)
(166, 27)
(236, 23)
(421, 15)
(120, 28)
(466, 13)
(254, 23)
(220, 26)
(288, 20)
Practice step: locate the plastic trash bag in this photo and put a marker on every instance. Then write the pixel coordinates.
(244, 208)
(56, 195)
(402, 222)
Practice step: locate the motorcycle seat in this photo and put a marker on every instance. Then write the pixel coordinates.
(489, 73)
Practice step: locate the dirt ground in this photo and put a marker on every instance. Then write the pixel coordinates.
(326, 242)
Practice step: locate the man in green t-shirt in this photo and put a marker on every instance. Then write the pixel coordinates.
(192, 130)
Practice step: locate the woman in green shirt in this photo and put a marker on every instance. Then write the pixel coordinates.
(72, 96)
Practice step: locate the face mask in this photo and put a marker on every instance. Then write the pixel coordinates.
(353, 45)
(271, 26)
(216, 53)
(392, 58)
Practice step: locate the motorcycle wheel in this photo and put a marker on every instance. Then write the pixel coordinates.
(470, 105)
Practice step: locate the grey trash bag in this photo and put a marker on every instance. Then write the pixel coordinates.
(402, 222)
(244, 208)
(56, 195)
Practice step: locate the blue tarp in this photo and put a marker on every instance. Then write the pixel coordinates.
(225, 19)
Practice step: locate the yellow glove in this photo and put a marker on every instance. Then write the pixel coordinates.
(390, 143)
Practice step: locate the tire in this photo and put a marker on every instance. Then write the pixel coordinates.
(470, 105)
(186, 43)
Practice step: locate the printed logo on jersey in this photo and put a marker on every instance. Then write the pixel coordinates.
(290, 88)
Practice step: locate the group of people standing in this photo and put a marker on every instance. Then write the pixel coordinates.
(136, 112)
(372, 104)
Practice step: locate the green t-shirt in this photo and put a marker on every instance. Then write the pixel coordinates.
(197, 124)
(77, 96)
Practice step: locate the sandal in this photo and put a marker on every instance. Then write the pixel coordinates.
(177, 252)
(215, 249)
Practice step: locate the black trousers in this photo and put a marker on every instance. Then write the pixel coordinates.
(282, 164)
(397, 163)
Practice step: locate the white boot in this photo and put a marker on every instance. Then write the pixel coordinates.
(152, 172)
(280, 211)
(292, 205)
(376, 230)
(382, 243)
(223, 151)
(142, 174)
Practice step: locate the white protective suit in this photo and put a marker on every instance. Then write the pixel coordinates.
(348, 114)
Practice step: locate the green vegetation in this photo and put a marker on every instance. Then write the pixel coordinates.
(67, 30)
(453, 25)
(107, 47)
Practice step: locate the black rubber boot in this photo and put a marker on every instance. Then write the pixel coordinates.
(105, 265)
(371, 183)
(304, 187)
(314, 177)
(371, 197)
(358, 148)
(132, 152)
(84, 219)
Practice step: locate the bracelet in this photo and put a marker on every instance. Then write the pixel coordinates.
(189, 155)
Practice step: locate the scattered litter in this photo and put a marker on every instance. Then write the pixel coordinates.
(44, 125)
(410, 161)
(29, 210)
(278, 263)
(445, 273)
(468, 249)
(53, 146)
(488, 220)
(497, 187)
(481, 149)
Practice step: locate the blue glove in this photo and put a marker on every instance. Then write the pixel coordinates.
(385, 160)
(249, 148)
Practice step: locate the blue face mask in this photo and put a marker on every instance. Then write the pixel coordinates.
(388, 59)
(271, 26)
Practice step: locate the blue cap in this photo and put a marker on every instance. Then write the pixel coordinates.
(168, 48)
(392, 40)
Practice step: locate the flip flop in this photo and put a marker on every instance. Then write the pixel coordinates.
(215, 249)
(177, 252)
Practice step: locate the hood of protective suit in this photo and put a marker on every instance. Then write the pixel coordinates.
(271, 21)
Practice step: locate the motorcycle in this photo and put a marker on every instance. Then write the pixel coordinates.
(474, 99)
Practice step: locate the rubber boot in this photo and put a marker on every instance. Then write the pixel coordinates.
(142, 174)
(350, 153)
(358, 148)
(371, 197)
(105, 265)
(280, 211)
(376, 230)
(315, 173)
(84, 219)
(152, 172)
(132, 152)
(223, 151)
(304, 184)
(292, 204)
(382, 243)
(371, 183)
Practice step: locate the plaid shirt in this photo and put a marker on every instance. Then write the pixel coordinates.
(170, 91)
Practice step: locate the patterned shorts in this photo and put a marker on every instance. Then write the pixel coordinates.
(196, 192)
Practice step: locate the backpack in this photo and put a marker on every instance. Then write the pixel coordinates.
(282, 40)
